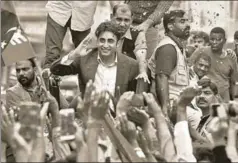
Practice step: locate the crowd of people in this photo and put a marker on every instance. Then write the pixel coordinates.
(140, 98)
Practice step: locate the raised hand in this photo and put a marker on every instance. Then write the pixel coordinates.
(99, 107)
(127, 128)
(138, 116)
(124, 102)
(186, 96)
(152, 104)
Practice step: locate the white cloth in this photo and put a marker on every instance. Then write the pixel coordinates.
(194, 115)
(82, 13)
(183, 142)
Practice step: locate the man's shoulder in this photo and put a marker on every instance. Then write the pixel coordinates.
(15, 90)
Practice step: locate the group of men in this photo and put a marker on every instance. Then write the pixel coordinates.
(126, 48)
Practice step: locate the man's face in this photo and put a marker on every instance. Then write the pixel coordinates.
(25, 73)
(107, 43)
(181, 27)
(123, 18)
(199, 42)
(201, 67)
(217, 41)
(205, 98)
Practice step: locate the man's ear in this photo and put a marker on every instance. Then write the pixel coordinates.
(111, 16)
(170, 26)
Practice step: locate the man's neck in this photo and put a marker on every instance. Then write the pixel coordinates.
(178, 40)
(205, 111)
(108, 60)
(219, 53)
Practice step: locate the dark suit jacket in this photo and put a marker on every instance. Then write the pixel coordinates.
(86, 67)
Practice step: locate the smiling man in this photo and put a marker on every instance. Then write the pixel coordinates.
(106, 67)
(223, 69)
(131, 43)
(199, 69)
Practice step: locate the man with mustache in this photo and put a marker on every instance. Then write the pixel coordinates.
(168, 65)
(28, 89)
(223, 69)
(198, 111)
(131, 43)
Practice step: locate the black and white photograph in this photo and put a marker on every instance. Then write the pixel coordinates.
(119, 81)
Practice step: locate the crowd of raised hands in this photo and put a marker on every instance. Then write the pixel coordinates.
(141, 134)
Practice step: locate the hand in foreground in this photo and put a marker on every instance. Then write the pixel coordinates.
(127, 128)
(99, 108)
(186, 96)
(143, 76)
(124, 102)
(7, 125)
(152, 104)
(138, 116)
(218, 129)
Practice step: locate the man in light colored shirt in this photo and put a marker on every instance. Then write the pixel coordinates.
(132, 42)
(75, 15)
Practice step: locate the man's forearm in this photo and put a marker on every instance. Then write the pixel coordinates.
(141, 58)
(162, 90)
(165, 139)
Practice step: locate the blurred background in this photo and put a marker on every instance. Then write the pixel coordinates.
(204, 15)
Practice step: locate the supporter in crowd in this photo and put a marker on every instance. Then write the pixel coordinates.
(199, 69)
(168, 66)
(188, 115)
(223, 69)
(200, 39)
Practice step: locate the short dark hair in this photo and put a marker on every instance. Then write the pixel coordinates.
(124, 6)
(206, 82)
(218, 30)
(170, 17)
(201, 34)
(32, 62)
(108, 26)
(205, 57)
(236, 35)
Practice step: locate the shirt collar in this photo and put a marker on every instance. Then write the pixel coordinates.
(176, 40)
(101, 62)
(127, 35)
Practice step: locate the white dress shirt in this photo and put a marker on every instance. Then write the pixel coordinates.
(183, 142)
(82, 13)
